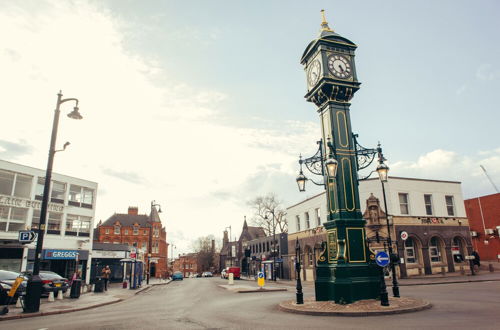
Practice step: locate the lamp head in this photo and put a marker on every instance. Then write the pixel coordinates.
(75, 114)
(383, 172)
(301, 181)
(331, 167)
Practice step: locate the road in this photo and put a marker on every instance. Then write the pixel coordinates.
(199, 303)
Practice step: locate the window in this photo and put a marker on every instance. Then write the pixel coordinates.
(428, 204)
(145, 232)
(298, 222)
(410, 255)
(40, 183)
(23, 186)
(403, 203)
(267, 246)
(12, 218)
(136, 230)
(126, 231)
(434, 250)
(308, 223)
(144, 245)
(450, 205)
(6, 182)
(35, 220)
(318, 217)
(106, 231)
(78, 225)
(58, 192)
(54, 220)
(310, 258)
(81, 196)
(117, 229)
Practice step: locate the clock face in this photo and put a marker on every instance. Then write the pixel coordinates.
(314, 73)
(339, 66)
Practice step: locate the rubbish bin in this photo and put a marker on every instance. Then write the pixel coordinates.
(76, 288)
(98, 285)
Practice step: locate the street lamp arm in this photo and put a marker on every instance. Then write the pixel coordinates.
(69, 99)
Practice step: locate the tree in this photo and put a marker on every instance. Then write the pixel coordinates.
(269, 214)
(205, 248)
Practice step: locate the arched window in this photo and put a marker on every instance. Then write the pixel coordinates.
(435, 250)
(410, 253)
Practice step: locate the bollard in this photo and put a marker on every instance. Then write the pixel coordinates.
(51, 296)
(18, 302)
(231, 279)
(462, 270)
(490, 267)
(67, 293)
(60, 295)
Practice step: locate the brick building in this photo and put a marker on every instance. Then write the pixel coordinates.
(484, 221)
(140, 230)
(187, 264)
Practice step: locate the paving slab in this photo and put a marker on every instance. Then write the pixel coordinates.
(370, 307)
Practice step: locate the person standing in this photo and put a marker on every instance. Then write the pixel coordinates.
(105, 274)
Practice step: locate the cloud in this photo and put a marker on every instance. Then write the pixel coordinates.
(125, 175)
(486, 72)
(14, 150)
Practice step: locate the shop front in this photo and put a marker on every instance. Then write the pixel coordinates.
(62, 262)
(107, 254)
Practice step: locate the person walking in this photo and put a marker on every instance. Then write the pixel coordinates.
(105, 274)
(477, 259)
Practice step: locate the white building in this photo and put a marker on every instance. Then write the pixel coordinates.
(70, 219)
(432, 212)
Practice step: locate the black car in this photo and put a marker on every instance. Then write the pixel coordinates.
(53, 282)
(7, 279)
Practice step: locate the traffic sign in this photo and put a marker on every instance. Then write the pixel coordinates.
(260, 279)
(382, 258)
(470, 257)
(27, 236)
(404, 235)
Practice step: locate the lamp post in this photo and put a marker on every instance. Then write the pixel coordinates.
(383, 170)
(172, 246)
(153, 205)
(230, 247)
(299, 294)
(34, 287)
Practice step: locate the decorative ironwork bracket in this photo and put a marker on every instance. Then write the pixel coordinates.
(315, 163)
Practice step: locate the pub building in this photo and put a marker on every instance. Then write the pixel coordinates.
(68, 232)
(429, 227)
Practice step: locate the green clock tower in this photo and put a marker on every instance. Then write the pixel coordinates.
(346, 271)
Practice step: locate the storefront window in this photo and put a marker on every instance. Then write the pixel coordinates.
(457, 250)
(54, 223)
(434, 250)
(23, 186)
(6, 182)
(58, 192)
(410, 254)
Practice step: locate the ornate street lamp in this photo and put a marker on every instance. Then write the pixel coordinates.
(301, 180)
(383, 171)
(34, 287)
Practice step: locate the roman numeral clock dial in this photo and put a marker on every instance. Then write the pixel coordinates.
(339, 66)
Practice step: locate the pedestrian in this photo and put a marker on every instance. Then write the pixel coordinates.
(105, 274)
(477, 259)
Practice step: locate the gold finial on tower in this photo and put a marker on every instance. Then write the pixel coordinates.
(324, 23)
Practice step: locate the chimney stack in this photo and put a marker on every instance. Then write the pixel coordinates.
(133, 210)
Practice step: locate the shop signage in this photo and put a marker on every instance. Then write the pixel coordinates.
(431, 221)
(60, 254)
(20, 202)
(108, 254)
(27, 236)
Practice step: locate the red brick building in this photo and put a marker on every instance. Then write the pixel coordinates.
(140, 230)
(484, 221)
(187, 264)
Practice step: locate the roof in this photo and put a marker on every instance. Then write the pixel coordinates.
(109, 246)
(256, 232)
(154, 216)
(127, 220)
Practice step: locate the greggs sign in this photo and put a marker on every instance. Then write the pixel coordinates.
(60, 254)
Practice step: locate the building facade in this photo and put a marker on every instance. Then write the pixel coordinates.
(431, 212)
(145, 233)
(484, 219)
(187, 264)
(68, 236)
(267, 254)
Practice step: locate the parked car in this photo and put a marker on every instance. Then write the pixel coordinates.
(177, 276)
(197, 275)
(7, 279)
(207, 274)
(53, 282)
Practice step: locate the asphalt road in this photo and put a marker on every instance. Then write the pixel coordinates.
(199, 303)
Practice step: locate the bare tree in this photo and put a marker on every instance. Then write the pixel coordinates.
(269, 214)
(205, 248)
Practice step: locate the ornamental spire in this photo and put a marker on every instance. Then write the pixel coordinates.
(324, 23)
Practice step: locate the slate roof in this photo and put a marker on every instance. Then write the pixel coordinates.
(256, 232)
(127, 220)
(109, 246)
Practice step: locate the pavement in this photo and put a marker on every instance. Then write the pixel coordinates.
(114, 294)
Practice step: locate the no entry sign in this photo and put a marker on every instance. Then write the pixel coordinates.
(404, 235)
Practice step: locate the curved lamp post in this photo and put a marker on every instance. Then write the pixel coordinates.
(34, 287)
(383, 173)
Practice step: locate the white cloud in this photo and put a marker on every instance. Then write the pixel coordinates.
(139, 140)
(486, 72)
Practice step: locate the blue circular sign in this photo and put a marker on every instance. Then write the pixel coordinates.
(382, 258)
(261, 275)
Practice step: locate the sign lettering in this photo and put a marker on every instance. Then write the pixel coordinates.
(60, 254)
(20, 202)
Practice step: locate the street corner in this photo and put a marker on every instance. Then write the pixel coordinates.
(370, 307)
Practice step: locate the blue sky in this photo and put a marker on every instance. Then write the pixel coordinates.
(199, 104)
